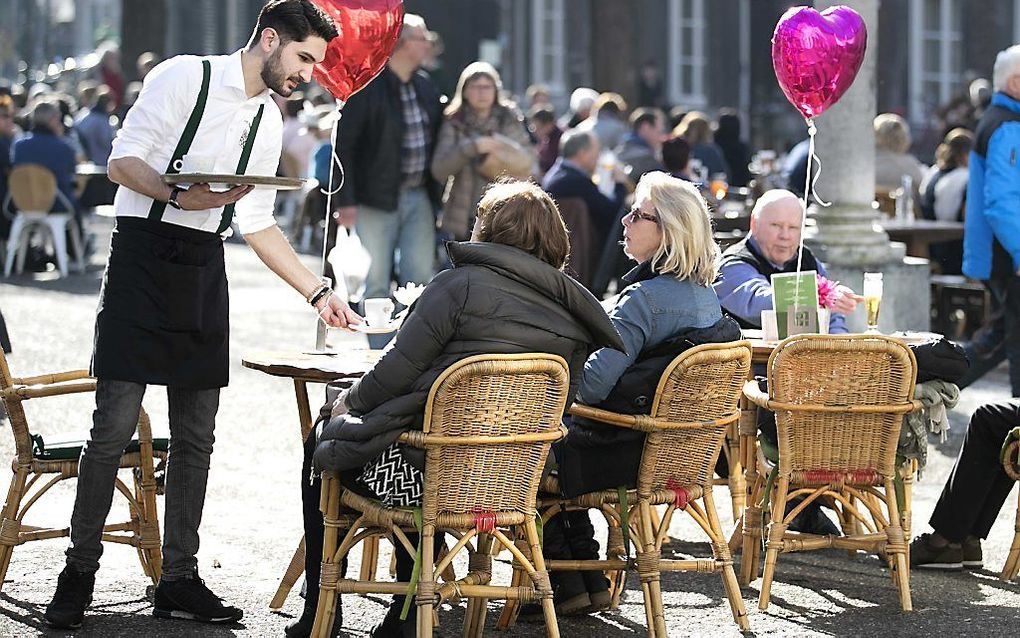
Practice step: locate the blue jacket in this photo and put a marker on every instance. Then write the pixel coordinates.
(993, 194)
(46, 149)
(647, 313)
(565, 180)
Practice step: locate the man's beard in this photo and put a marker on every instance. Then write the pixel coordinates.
(274, 76)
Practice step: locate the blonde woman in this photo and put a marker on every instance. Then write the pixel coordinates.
(892, 153)
(482, 136)
(668, 305)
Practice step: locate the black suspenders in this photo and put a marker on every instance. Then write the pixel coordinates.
(184, 145)
(242, 165)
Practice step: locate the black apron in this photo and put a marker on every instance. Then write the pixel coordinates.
(163, 315)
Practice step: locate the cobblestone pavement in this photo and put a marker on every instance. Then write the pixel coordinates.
(252, 512)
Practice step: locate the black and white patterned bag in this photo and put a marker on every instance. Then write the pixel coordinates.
(396, 482)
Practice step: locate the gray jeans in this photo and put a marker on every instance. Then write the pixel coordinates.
(114, 422)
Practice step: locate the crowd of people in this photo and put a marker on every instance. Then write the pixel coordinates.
(469, 197)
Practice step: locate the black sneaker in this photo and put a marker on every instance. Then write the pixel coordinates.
(302, 627)
(190, 599)
(972, 558)
(924, 555)
(73, 596)
(811, 520)
(598, 590)
(392, 626)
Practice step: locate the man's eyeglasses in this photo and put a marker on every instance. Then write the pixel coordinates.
(635, 214)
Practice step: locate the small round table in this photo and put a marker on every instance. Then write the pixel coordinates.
(332, 366)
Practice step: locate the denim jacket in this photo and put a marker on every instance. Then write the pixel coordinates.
(648, 312)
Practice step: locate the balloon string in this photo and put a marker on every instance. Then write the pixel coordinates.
(340, 284)
(810, 192)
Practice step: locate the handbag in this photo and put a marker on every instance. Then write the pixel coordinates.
(507, 160)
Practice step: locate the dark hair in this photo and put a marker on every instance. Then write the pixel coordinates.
(294, 21)
(542, 115)
(727, 128)
(954, 149)
(575, 141)
(676, 152)
(610, 104)
(642, 116)
(522, 215)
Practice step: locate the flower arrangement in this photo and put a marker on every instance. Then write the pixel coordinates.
(826, 292)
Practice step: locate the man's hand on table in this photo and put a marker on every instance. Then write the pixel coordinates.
(845, 301)
(337, 314)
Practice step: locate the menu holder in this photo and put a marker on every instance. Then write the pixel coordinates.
(226, 181)
(796, 303)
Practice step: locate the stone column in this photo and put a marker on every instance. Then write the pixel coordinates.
(845, 235)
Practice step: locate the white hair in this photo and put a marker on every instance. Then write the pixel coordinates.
(582, 99)
(1007, 64)
(413, 20)
(771, 197)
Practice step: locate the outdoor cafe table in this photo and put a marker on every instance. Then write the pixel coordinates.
(920, 234)
(346, 365)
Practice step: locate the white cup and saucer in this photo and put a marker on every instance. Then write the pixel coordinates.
(378, 317)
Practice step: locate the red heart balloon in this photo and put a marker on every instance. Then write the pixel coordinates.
(817, 55)
(369, 29)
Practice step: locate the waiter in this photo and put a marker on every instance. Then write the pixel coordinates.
(163, 310)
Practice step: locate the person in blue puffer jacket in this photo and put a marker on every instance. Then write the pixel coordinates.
(991, 239)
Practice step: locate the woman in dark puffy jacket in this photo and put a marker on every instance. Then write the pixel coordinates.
(505, 294)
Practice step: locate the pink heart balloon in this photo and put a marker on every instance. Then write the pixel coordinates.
(817, 55)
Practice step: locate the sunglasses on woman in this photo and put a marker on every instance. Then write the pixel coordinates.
(635, 214)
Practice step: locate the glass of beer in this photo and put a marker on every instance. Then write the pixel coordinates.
(872, 298)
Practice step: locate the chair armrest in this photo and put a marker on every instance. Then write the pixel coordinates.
(629, 421)
(50, 390)
(644, 422)
(754, 394)
(54, 377)
(419, 439)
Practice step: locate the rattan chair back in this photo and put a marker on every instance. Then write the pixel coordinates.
(33, 188)
(847, 395)
(701, 387)
(489, 422)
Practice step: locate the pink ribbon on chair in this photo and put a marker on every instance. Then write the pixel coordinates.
(485, 522)
(681, 496)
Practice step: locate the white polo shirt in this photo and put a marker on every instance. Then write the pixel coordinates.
(156, 122)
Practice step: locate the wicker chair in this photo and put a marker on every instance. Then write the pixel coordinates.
(1011, 465)
(60, 461)
(489, 423)
(695, 404)
(839, 403)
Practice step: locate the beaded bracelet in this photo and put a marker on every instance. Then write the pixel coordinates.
(320, 294)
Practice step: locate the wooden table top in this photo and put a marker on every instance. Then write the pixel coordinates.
(332, 365)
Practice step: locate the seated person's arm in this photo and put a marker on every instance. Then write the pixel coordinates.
(428, 327)
(744, 292)
(633, 319)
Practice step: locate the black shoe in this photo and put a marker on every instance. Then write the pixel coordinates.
(190, 599)
(73, 596)
(392, 626)
(302, 627)
(811, 520)
(598, 590)
(925, 555)
(972, 558)
(569, 596)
